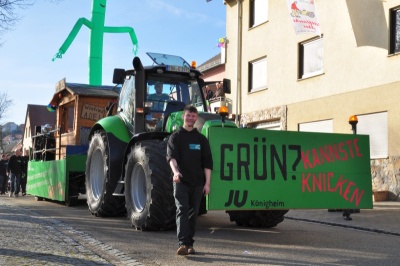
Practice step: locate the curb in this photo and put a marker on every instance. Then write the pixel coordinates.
(362, 228)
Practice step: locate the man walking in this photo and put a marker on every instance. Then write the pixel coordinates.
(3, 174)
(14, 169)
(24, 174)
(189, 155)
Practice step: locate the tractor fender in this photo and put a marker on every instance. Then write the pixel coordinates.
(113, 125)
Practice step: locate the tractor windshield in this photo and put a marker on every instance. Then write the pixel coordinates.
(165, 96)
(168, 60)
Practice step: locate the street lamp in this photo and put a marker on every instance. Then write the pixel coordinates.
(353, 120)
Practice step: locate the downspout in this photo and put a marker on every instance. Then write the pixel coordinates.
(239, 64)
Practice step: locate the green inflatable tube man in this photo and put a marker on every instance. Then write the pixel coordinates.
(97, 30)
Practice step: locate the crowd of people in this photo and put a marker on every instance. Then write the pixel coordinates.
(219, 92)
(13, 174)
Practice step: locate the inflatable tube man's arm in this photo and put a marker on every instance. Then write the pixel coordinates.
(129, 30)
(75, 30)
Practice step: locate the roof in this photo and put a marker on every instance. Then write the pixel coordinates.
(85, 90)
(89, 90)
(210, 63)
(39, 115)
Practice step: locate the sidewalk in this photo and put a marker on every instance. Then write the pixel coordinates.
(28, 238)
(383, 218)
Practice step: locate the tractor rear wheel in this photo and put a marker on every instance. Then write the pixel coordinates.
(260, 219)
(99, 184)
(149, 197)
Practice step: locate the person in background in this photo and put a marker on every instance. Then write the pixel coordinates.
(159, 98)
(14, 170)
(190, 158)
(220, 91)
(209, 93)
(3, 174)
(24, 175)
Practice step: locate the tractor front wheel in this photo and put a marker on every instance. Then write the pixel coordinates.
(99, 185)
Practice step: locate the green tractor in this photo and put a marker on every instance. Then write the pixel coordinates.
(258, 175)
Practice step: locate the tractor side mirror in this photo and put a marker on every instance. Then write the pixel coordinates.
(226, 85)
(118, 76)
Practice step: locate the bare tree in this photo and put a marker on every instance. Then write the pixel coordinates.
(9, 16)
(5, 104)
(8, 12)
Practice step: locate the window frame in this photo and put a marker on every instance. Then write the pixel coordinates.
(321, 126)
(251, 74)
(255, 20)
(301, 47)
(394, 16)
(376, 125)
(272, 124)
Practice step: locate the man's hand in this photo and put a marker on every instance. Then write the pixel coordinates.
(206, 189)
(175, 169)
(177, 177)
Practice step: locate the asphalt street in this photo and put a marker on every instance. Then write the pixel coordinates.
(28, 238)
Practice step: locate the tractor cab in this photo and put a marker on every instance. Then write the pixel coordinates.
(150, 94)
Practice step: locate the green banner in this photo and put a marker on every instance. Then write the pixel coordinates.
(47, 179)
(262, 169)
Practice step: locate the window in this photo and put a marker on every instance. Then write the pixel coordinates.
(311, 55)
(258, 75)
(258, 12)
(67, 118)
(269, 125)
(394, 18)
(376, 126)
(324, 126)
(127, 99)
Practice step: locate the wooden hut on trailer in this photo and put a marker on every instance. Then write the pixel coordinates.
(78, 107)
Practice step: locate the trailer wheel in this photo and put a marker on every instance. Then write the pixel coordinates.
(264, 219)
(99, 185)
(148, 187)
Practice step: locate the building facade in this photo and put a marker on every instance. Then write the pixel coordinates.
(315, 82)
(36, 117)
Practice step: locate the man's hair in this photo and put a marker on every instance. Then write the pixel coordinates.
(190, 109)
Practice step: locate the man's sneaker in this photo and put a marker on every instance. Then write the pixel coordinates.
(191, 250)
(16, 195)
(23, 194)
(11, 194)
(182, 250)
